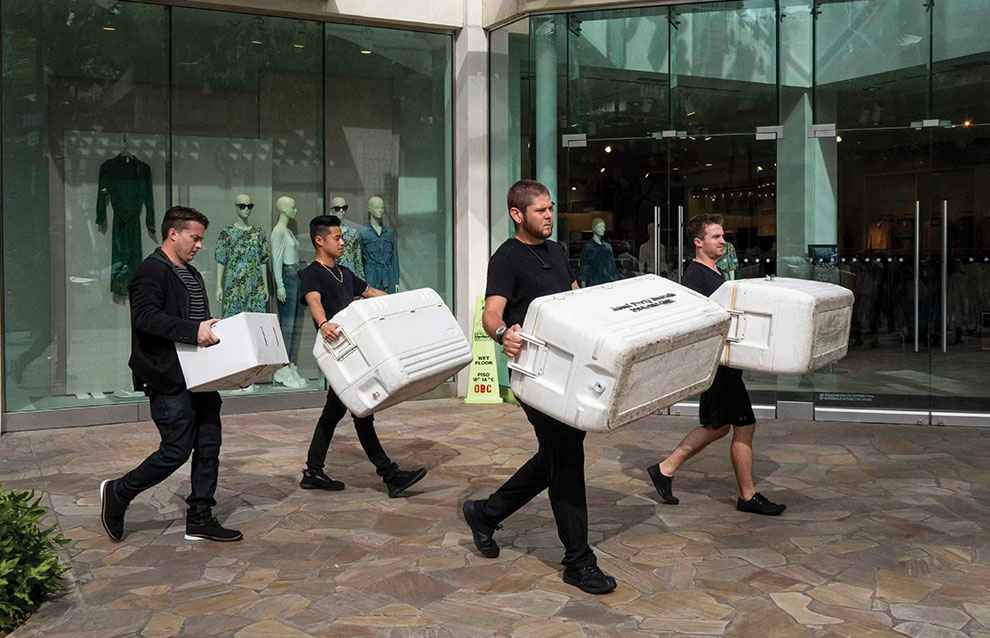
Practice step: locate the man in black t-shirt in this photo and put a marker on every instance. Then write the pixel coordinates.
(526, 266)
(326, 288)
(726, 402)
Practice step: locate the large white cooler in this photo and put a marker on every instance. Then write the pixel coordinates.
(250, 348)
(603, 356)
(391, 349)
(785, 326)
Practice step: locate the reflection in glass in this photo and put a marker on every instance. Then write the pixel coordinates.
(724, 66)
(871, 62)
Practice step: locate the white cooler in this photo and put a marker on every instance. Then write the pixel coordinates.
(785, 326)
(250, 348)
(391, 349)
(601, 357)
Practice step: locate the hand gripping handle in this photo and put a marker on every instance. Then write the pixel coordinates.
(340, 348)
(532, 358)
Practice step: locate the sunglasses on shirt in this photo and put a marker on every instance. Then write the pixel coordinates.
(338, 209)
(247, 206)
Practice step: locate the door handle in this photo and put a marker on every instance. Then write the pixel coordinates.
(945, 273)
(680, 243)
(917, 269)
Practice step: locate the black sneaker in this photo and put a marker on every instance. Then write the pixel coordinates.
(111, 512)
(664, 485)
(481, 532)
(759, 504)
(403, 480)
(319, 481)
(211, 530)
(589, 579)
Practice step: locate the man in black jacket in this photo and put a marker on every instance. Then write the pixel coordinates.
(169, 306)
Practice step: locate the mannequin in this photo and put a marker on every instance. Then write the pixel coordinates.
(378, 249)
(351, 258)
(285, 267)
(242, 252)
(597, 260)
(648, 254)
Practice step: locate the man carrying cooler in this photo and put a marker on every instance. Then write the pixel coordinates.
(526, 266)
(726, 402)
(326, 288)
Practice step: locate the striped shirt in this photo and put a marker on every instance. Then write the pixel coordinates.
(197, 297)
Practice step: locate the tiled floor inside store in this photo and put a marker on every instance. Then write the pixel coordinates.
(885, 534)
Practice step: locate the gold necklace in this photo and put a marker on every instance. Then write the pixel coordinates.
(339, 278)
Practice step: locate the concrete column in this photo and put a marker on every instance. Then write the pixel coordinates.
(471, 219)
(545, 32)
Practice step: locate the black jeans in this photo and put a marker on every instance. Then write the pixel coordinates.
(189, 423)
(333, 412)
(558, 465)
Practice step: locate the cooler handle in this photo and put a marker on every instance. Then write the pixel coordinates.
(340, 348)
(735, 326)
(532, 361)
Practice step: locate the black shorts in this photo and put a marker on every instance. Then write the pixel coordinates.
(727, 401)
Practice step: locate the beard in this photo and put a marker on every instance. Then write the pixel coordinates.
(536, 229)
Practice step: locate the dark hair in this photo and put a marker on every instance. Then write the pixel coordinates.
(178, 217)
(698, 225)
(522, 193)
(320, 225)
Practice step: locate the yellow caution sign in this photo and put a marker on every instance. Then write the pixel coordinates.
(483, 373)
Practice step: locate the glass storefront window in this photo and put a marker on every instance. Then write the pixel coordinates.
(85, 154)
(246, 129)
(113, 113)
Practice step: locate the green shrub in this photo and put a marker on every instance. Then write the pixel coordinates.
(29, 569)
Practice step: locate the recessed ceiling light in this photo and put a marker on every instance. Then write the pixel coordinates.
(709, 164)
(109, 29)
(608, 149)
(366, 51)
(255, 41)
(298, 46)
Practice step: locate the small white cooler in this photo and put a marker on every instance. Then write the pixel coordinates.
(391, 349)
(785, 326)
(601, 357)
(250, 348)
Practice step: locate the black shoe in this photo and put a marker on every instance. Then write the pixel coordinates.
(589, 579)
(481, 532)
(111, 511)
(759, 504)
(664, 485)
(319, 481)
(211, 530)
(403, 480)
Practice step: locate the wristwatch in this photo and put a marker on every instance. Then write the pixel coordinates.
(499, 333)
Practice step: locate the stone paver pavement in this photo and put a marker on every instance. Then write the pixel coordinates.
(885, 535)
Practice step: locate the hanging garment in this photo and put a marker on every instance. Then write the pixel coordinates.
(878, 236)
(380, 258)
(244, 254)
(125, 184)
(597, 264)
(351, 259)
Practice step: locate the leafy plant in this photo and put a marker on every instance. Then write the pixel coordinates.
(29, 569)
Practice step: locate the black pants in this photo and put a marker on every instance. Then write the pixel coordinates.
(333, 412)
(189, 423)
(558, 465)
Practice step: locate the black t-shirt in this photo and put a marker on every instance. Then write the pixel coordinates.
(702, 279)
(334, 295)
(521, 273)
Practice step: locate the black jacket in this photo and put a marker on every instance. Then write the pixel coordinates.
(159, 311)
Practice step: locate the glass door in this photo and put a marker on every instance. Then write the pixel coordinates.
(959, 202)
